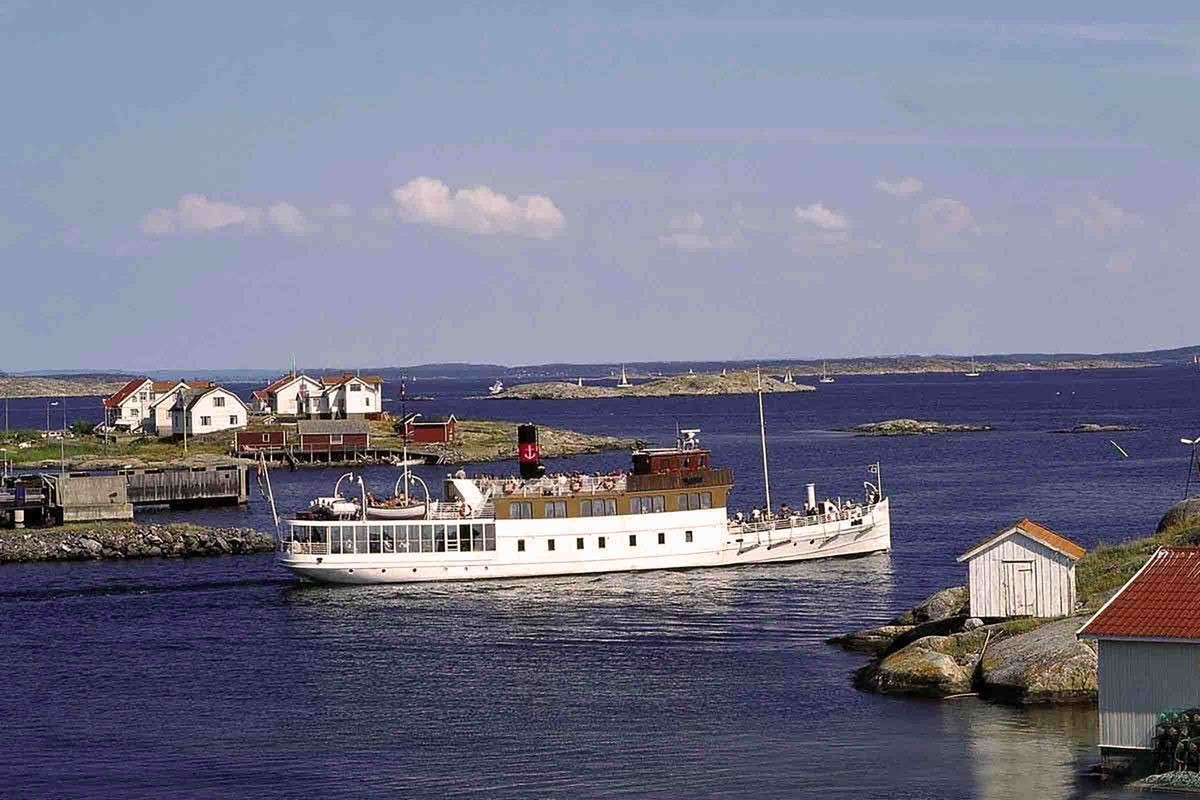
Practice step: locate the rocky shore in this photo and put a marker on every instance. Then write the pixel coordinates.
(73, 386)
(90, 542)
(739, 382)
(914, 427)
(936, 650)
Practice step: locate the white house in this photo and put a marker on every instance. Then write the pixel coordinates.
(130, 405)
(166, 394)
(1148, 648)
(207, 411)
(1023, 570)
(330, 396)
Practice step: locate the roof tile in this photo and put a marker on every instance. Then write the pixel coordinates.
(1162, 601)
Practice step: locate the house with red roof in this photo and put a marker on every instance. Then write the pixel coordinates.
(1148, 648)
(1022, 570)
(130, 405)
(159, 422)
(342, 396)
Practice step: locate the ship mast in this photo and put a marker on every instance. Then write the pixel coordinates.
(762, 429)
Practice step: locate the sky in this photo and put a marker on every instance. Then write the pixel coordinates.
(231, 185)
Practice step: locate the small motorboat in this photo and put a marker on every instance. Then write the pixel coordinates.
(337, 506)
(496, 388)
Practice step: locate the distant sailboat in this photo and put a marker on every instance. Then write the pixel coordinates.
(974, 373)
(624, 382)
(825, 376)
(788, 377)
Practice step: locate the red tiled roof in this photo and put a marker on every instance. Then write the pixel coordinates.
(1036, 532)
(200, 384)
(1162, 601)
(337, 380)
(276, 384)
(123, 392)
(164, 386)
(261, 394)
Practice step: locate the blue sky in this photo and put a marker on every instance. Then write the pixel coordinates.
(225, 185)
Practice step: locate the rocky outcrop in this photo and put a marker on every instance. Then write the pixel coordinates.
(914, 427)
(871, 640)
(952, 602)
(740, 382)
(81, 543)
(1044, 665)
(1094, 427)
(933, 666)
(912, 624)
(1185, 512)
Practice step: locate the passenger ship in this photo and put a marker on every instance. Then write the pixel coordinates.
(668, 512)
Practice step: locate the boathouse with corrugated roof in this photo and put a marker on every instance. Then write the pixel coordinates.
(1022, 570)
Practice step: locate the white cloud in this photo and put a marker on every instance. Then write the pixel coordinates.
(824, 218)
(687, 233)
(943, 221)
(1098, 217)
(479, 210)
(900, 188)
(195, 213)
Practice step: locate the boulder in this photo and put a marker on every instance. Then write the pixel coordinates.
(935, 666)
(91, 545)
(1183, 512)
(871, 640)
(972, 624)
(1045, 665)
(951, 602)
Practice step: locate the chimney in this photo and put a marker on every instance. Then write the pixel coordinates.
(528, 454)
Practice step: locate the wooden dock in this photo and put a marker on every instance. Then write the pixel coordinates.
(187, 486)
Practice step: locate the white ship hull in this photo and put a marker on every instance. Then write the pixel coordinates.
(631, 543)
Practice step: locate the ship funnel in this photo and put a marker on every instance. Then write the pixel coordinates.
(812, 496)
(528, 454)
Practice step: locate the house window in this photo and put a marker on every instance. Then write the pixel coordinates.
(550, 544)
(266, 437)
(335, 438)
(205, 422)
(520, 545)
(354, 387)
(368, 402)
(523, 510)
(556, 509)
(219, 402)
(579, 543)
(600, 542)
(687, 537)
(233, 419)
(662, 538)
(633, 540)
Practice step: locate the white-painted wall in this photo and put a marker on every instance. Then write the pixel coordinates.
(218, 410)
(354, 398)
(1052, 581)
(134, 409)
(286, 397)
(1137, 680)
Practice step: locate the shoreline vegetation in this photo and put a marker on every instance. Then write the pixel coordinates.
(936, 650)
(476, 441)
(740, 382)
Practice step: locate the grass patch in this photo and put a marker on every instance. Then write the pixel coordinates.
(1024, 625)
(1108, 566)
(77, 449)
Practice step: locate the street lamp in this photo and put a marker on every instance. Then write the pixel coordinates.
(1192, 443)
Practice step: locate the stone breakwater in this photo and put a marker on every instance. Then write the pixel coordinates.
(133, 541)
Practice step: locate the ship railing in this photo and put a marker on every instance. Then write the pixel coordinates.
(552, 486)
(456, 511)
(777, 523)
(286, 544)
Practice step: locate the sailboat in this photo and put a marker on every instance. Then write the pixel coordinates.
(974, 372)
(624, 382)
(825, 376)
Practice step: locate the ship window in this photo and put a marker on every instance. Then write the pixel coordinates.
(428, 545)
(389, 539)
(476, 537)
(376, 538)
(335, 542)
(520, 545)
(706, 500)
(585, 508)
(610, 507)
(489, 537)
(633, 540)
(550, 544)
(521, 510)
(662, 538)
(578, 542)
(687, 537)
(660, 503)
(360, 537)
(556, 509)
(600, 542)
(683, 502)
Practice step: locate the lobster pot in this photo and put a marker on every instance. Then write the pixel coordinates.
(529, 456)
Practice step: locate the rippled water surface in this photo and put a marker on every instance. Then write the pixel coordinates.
(224, 677)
